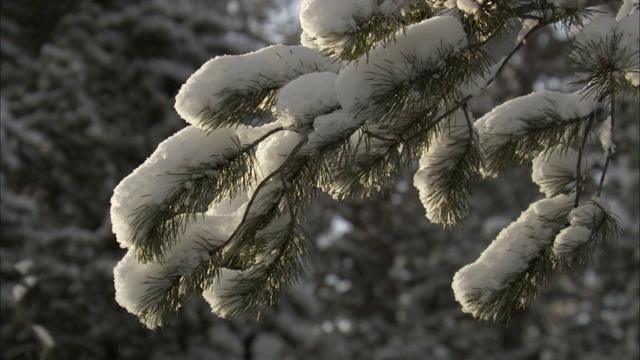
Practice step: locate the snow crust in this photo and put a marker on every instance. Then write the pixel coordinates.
(511, 251)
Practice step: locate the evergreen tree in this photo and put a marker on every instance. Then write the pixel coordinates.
(375, 86)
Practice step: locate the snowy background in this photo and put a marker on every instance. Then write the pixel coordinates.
(88, 90)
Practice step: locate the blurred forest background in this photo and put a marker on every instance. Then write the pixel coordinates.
(88, 89)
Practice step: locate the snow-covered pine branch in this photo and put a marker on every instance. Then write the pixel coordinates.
(517, 266)
(376, 86)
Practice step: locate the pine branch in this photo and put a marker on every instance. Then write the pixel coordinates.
(519, 290)
(379, 29)
(537, 135)
(603, 226)
(418, 85)
(262, 284)
(156, 227)
(447, 170)
(602, 64)
(561, 182)
(178, 285)
(241, 107)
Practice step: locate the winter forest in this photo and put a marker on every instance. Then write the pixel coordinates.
(319, 179)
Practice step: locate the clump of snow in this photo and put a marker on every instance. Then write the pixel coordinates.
(582, 220)
(511, 251)
(152, 181)
(321, 17)
(270, 67)
(132, 283)
(215, 294)
(569, 239)
(338, 124)
(606, 137)
(469, 6)
(327, 24)
(628, 7)
(585, 214)
(527, 26)
(275, 150)
(301, 100)
(134, 280)
(510, 119)
(558, 164)
(633, 78)
(356, 82)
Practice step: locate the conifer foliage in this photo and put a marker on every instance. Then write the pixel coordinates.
(375, 86)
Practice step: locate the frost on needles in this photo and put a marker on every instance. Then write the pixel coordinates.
(375, 86)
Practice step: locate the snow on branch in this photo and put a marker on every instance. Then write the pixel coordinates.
(606, 56)
(517, 265)
(233, 90)
(520, 129)
(447, 170)
(393, 78)
(348, 30)
(592, 226)
(555, 171)
(156, 290)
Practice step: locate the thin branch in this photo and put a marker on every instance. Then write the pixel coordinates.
(609, 152)
(579, 162)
